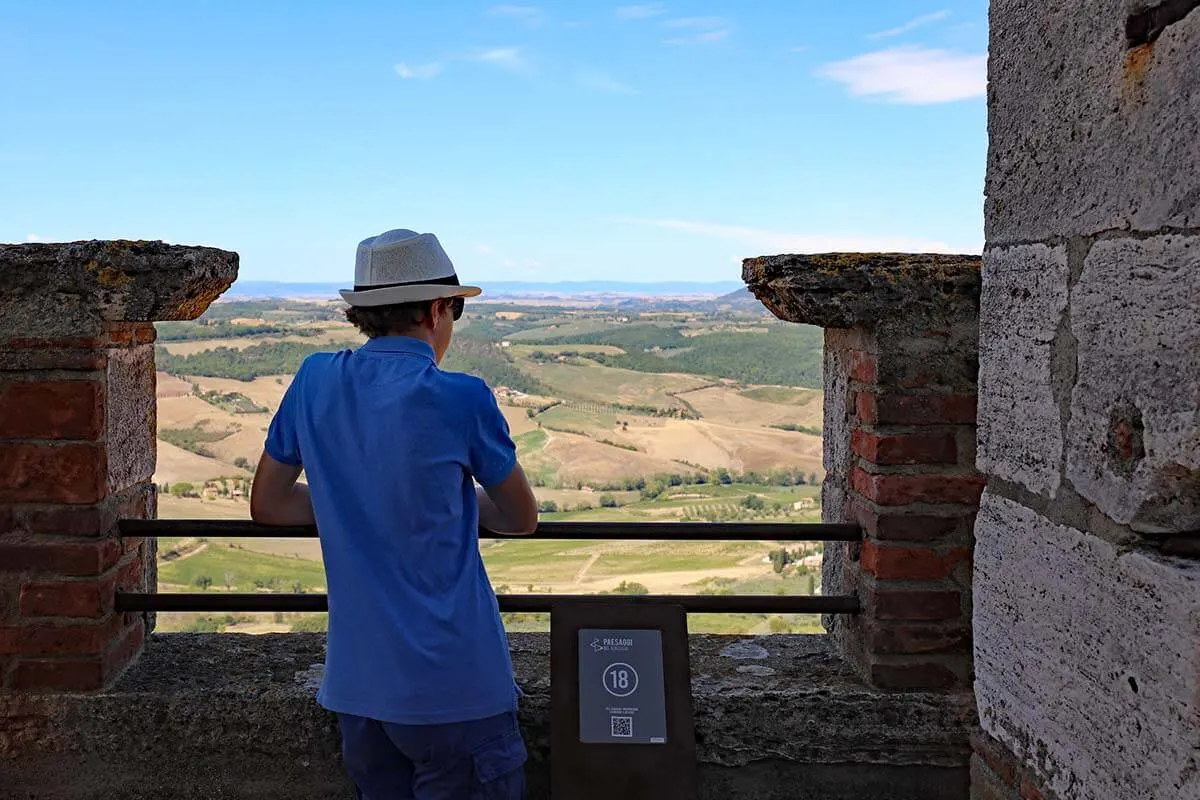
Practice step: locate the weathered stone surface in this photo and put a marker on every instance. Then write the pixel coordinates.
(1086, 135)
(69, 290)
(841, 290)
(230, 716)
(1021, 308)
(132, 413)
(1134, 435)
(1085, 657)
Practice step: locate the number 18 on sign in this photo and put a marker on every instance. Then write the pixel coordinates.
(622, 697)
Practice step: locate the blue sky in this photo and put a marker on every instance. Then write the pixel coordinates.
(562, 140)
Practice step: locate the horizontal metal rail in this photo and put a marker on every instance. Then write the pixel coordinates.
(627, 531)
(509, 603)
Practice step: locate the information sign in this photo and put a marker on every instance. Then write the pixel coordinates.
(621, 702)
(622, 697)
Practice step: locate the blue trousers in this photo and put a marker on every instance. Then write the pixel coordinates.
(477, 760)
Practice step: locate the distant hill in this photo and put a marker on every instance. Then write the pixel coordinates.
(280, 289)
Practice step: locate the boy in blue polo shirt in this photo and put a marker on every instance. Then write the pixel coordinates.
(417, 666)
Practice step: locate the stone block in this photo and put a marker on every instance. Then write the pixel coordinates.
(836, 422)
(1085, 134)
(1134, 434)
(843, 290)
(132, 416)
(52, 291)
(1020, 436)
(1086, 661)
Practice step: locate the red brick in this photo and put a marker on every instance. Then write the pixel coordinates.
(916, 563)
(863, 366)
(64, 342)
(917, 675)
(902, 490)
(51, 409)
(986, 786)
(59, 675)
(909, 448)
(1029, 791)
(61, 640)
(916, 409)
(80, 598)
(865, 408)
(52, 473)
(914, 605)
(74, 360)
(896, 527)
(130, 333)
(900, 638)
(995, 756)
(70, 559)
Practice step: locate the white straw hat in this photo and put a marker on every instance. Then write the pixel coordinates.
(403, 266)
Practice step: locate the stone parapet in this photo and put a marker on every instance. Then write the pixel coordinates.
(234, 716)
(901, 357)
(77, 446)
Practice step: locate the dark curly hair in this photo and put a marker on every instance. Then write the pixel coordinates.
(376, 321)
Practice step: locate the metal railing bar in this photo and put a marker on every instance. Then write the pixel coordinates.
(527, 603)
(626, 531)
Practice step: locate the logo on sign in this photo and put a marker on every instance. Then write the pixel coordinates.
(620, 679)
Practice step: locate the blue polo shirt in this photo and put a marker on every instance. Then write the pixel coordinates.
(390, 445)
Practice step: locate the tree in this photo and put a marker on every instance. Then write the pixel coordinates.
(203, 582)
(230, 579)
(547, 507)
(608, 501)
(242, 462)
(812, 479)
(630, 587)
(183, 489)
(754, 502)
(297, 588)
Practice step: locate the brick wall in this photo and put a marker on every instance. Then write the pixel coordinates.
(996, 774)
(77, 447)
(911, 484)
(901, 365)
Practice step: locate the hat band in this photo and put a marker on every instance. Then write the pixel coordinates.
(451, 280)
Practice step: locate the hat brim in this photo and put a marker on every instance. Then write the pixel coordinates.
(416, 293)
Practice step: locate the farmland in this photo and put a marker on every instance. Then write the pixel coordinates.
(619, 415)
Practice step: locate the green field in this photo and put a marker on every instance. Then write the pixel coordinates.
(233, 568)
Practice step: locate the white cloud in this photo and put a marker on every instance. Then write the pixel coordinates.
(418, 71)
(602, 82)
(485, 249)
(912, 75)
(759, 241)
(704, 23)
(801, 48)
(704, 30)
(509, 58)
(531, 15)
(33, 237)
(640, 12)
(912, 24)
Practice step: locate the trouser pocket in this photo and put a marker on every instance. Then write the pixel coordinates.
(499, 768)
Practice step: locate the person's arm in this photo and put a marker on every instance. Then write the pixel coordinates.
(276, 498)
(506, 503)
(509, 507)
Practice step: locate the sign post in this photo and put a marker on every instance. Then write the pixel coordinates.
(621, 702)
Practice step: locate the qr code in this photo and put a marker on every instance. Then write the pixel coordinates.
(622, 727)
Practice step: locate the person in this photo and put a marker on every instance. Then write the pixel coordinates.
(417, 664)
